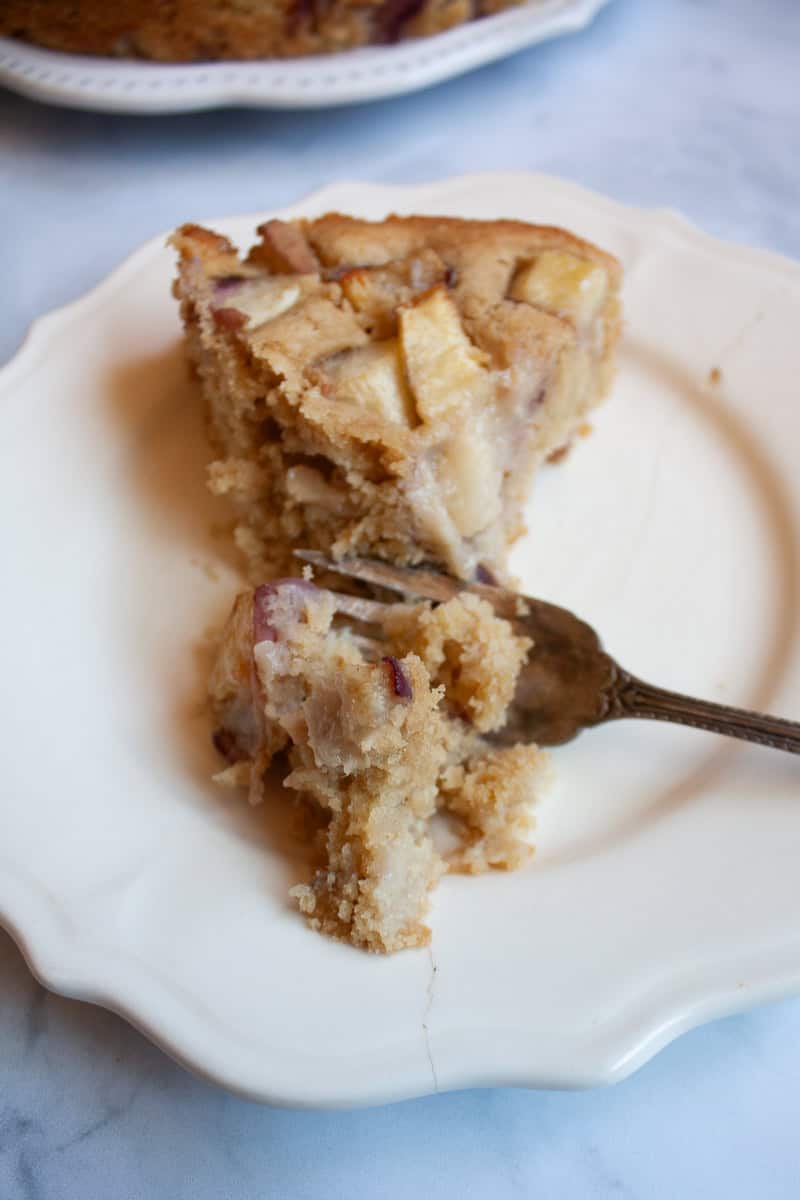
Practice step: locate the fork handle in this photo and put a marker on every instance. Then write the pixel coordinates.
(632, 697)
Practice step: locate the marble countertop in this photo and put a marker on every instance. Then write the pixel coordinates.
(691, 104)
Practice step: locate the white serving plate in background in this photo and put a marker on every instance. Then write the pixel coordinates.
(372, 73)
(665, 888)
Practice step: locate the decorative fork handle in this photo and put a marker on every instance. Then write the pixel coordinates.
(628, 696)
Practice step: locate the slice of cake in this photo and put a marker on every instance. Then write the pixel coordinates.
(389, 388)
(376, 729)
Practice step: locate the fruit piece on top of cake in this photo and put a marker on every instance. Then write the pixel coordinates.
(389, 388)
(380, 714)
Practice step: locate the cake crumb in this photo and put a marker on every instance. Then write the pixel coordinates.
(715, 376)
(560, 453)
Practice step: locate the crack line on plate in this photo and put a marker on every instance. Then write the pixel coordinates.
(429, 997)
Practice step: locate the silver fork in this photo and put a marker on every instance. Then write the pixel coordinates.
(569, 682)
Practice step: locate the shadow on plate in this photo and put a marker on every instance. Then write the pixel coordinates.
(160, 414)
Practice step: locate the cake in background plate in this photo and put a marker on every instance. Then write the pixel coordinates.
(209, 30)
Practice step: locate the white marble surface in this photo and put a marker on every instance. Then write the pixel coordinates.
(692, 104)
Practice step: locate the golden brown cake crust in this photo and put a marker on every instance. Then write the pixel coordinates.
(206, 30)
(339, 238)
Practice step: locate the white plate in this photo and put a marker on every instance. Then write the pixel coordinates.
(315, 82)
(665, 889)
